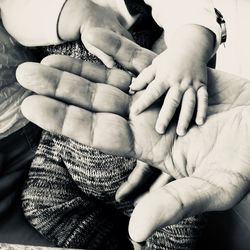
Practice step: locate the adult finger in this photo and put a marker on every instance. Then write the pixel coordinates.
(177, 200)
(91, 71)
(139, 180)
(127, 53)
(161, 181)
(152, 93)
(187, 111)
(72, 89)
(168, 109)
(202, 105)
(143, 79)
(105, 131)
(124, 32)
(107, 60)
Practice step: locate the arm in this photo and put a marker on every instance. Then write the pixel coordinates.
(194, 42)
(173, 15)
(48, 22)
(32, 23)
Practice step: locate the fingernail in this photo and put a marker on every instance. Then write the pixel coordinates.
(160, 129)
(119, 198)
(109, 64)
(181, 131)
(131, 91)
(121, 194)
(133, 83)
(137, 245)
(200, 121)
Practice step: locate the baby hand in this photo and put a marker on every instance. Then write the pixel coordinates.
(184, 79)
(102, 17)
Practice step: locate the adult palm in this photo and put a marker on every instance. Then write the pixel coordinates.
(210, 164)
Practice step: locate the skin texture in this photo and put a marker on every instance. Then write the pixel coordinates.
(209, 165)
(88, 15)
(180, 73)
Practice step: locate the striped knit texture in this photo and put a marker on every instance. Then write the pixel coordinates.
(70, 193)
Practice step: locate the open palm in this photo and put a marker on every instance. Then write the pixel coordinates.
(211, 163)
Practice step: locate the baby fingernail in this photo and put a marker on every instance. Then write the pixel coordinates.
(160, 129)
(200, 121)
(181, 131)
(133, 83)
(132, 86)
(131, 91)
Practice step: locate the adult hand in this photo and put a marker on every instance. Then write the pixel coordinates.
(210, 164)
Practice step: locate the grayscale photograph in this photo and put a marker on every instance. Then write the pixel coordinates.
(124, 124)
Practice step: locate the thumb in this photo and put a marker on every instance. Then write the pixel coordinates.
(170, 204)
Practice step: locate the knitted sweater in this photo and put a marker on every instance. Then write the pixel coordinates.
(70, 193)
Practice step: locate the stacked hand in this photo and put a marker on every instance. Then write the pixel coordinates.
(211, 163)
(184, 85)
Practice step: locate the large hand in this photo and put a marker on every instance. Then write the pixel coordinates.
(210, 162)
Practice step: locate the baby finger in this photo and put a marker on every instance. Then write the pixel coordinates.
(171, 103)
(202, 105)
(143, 79)
(152, 93)
(187, 111)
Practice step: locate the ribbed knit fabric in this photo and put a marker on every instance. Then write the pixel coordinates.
(70, 193)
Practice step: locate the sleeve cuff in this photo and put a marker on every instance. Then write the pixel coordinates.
(171, 16)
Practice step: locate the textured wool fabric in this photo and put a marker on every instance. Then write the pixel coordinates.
(66, 190)
(70, 193)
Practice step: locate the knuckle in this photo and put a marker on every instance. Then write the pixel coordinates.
(154, 90)
(175, 102)
(185, 84)
(174, 194)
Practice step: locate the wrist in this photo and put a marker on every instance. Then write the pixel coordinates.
(74, 13)
(195, 42)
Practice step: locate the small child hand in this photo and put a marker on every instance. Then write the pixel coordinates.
(102, 17)
(184, 79)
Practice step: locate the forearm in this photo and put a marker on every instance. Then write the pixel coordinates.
(175, 15)
(32, 23)
(194, 41)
